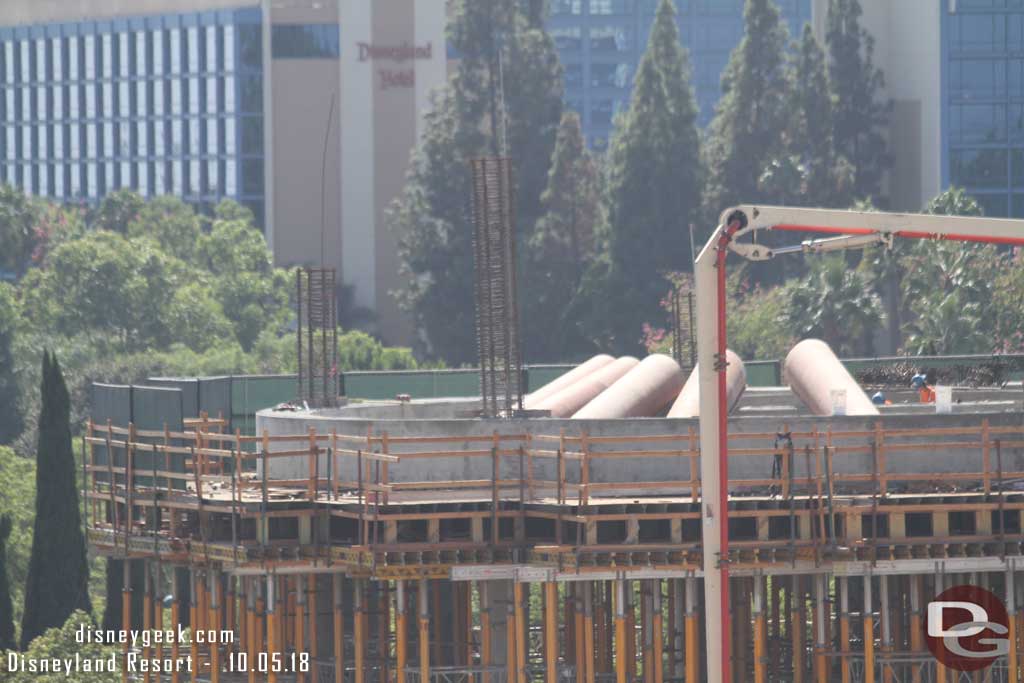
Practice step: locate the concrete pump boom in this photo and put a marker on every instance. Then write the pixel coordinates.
(848, 229)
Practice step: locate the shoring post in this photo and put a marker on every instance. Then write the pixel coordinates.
(692, 653)
(579, 633)
(884, 615)
(424, 616)
(511, 656)
(311, 631)
(522, 629)
(844, 628)
(759, 631)
(646, 635)
(657, 622)
(300, 621)
(175, 620)
(821, 615)
(231, 620)
(678, 629)
(214, 622)
(259, 630)
(383, 628)
(869, 633)
(1011, 611)
(630, 607)
(359, 624)
(551, 630)
(272, 627)
(401, 631)
(249, 642)
(486, 609)
(670, 627)
(339, 629)
(147, 614)
(621, 648)
(589, 652)
(916, 642)
(796, 631)
(158, 608)
(193, 620)
(600, 616)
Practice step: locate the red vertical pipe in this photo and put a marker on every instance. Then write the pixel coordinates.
(723, 451)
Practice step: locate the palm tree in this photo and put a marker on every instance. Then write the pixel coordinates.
(837, 304)
(952, 325)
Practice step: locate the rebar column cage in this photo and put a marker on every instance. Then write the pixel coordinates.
(684, 347)
(497, 317)
(316, 338)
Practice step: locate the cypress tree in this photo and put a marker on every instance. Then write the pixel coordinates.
(563, 244)
(505, 98)
(655, 179)
(58, 573)
(745, 135)
(7, 641)
(855, 84)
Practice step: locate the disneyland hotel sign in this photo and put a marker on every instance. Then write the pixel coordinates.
(391, 77)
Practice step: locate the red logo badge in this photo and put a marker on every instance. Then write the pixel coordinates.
(966, 628)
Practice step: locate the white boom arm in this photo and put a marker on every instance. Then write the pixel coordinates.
(848, 229)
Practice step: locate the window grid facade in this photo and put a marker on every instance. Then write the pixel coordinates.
(601, 42)
(983, 102)
(168, 104)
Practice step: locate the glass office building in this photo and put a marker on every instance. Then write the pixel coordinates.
(983, 103)
(165, 104)
(601, 41)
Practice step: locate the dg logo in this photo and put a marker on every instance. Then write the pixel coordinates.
(967, 628)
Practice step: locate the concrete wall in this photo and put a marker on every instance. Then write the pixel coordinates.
(926, 458)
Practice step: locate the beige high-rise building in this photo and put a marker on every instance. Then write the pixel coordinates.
(306, 111)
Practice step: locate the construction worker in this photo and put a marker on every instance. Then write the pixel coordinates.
(925, 391)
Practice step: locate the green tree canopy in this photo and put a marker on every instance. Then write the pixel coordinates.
(18, 215)
(744, 136)
(836, 304)
(506, 90)
(58, 576)
(563, 245)
(825, 177)
(171, 222)
(7, 637)
(654, 185)
(855, 84)
(10, 390)
(118, 210)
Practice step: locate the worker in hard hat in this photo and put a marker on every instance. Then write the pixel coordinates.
(879, 399)
(924, 390)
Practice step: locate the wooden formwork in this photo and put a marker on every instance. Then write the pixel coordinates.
(831, 566)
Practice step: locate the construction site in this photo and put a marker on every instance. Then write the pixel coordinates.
(635, 521)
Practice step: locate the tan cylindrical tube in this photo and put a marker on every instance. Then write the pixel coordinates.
(813, 372)
(573, 397)
(531, 400)
(687, 404)
(644, 391)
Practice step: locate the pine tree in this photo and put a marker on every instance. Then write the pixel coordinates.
(505, 98)
(745, 135)
(826, 176)
(563, 244)
(855, 84)
(58, 574)
(7, 641)
(654, 186)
